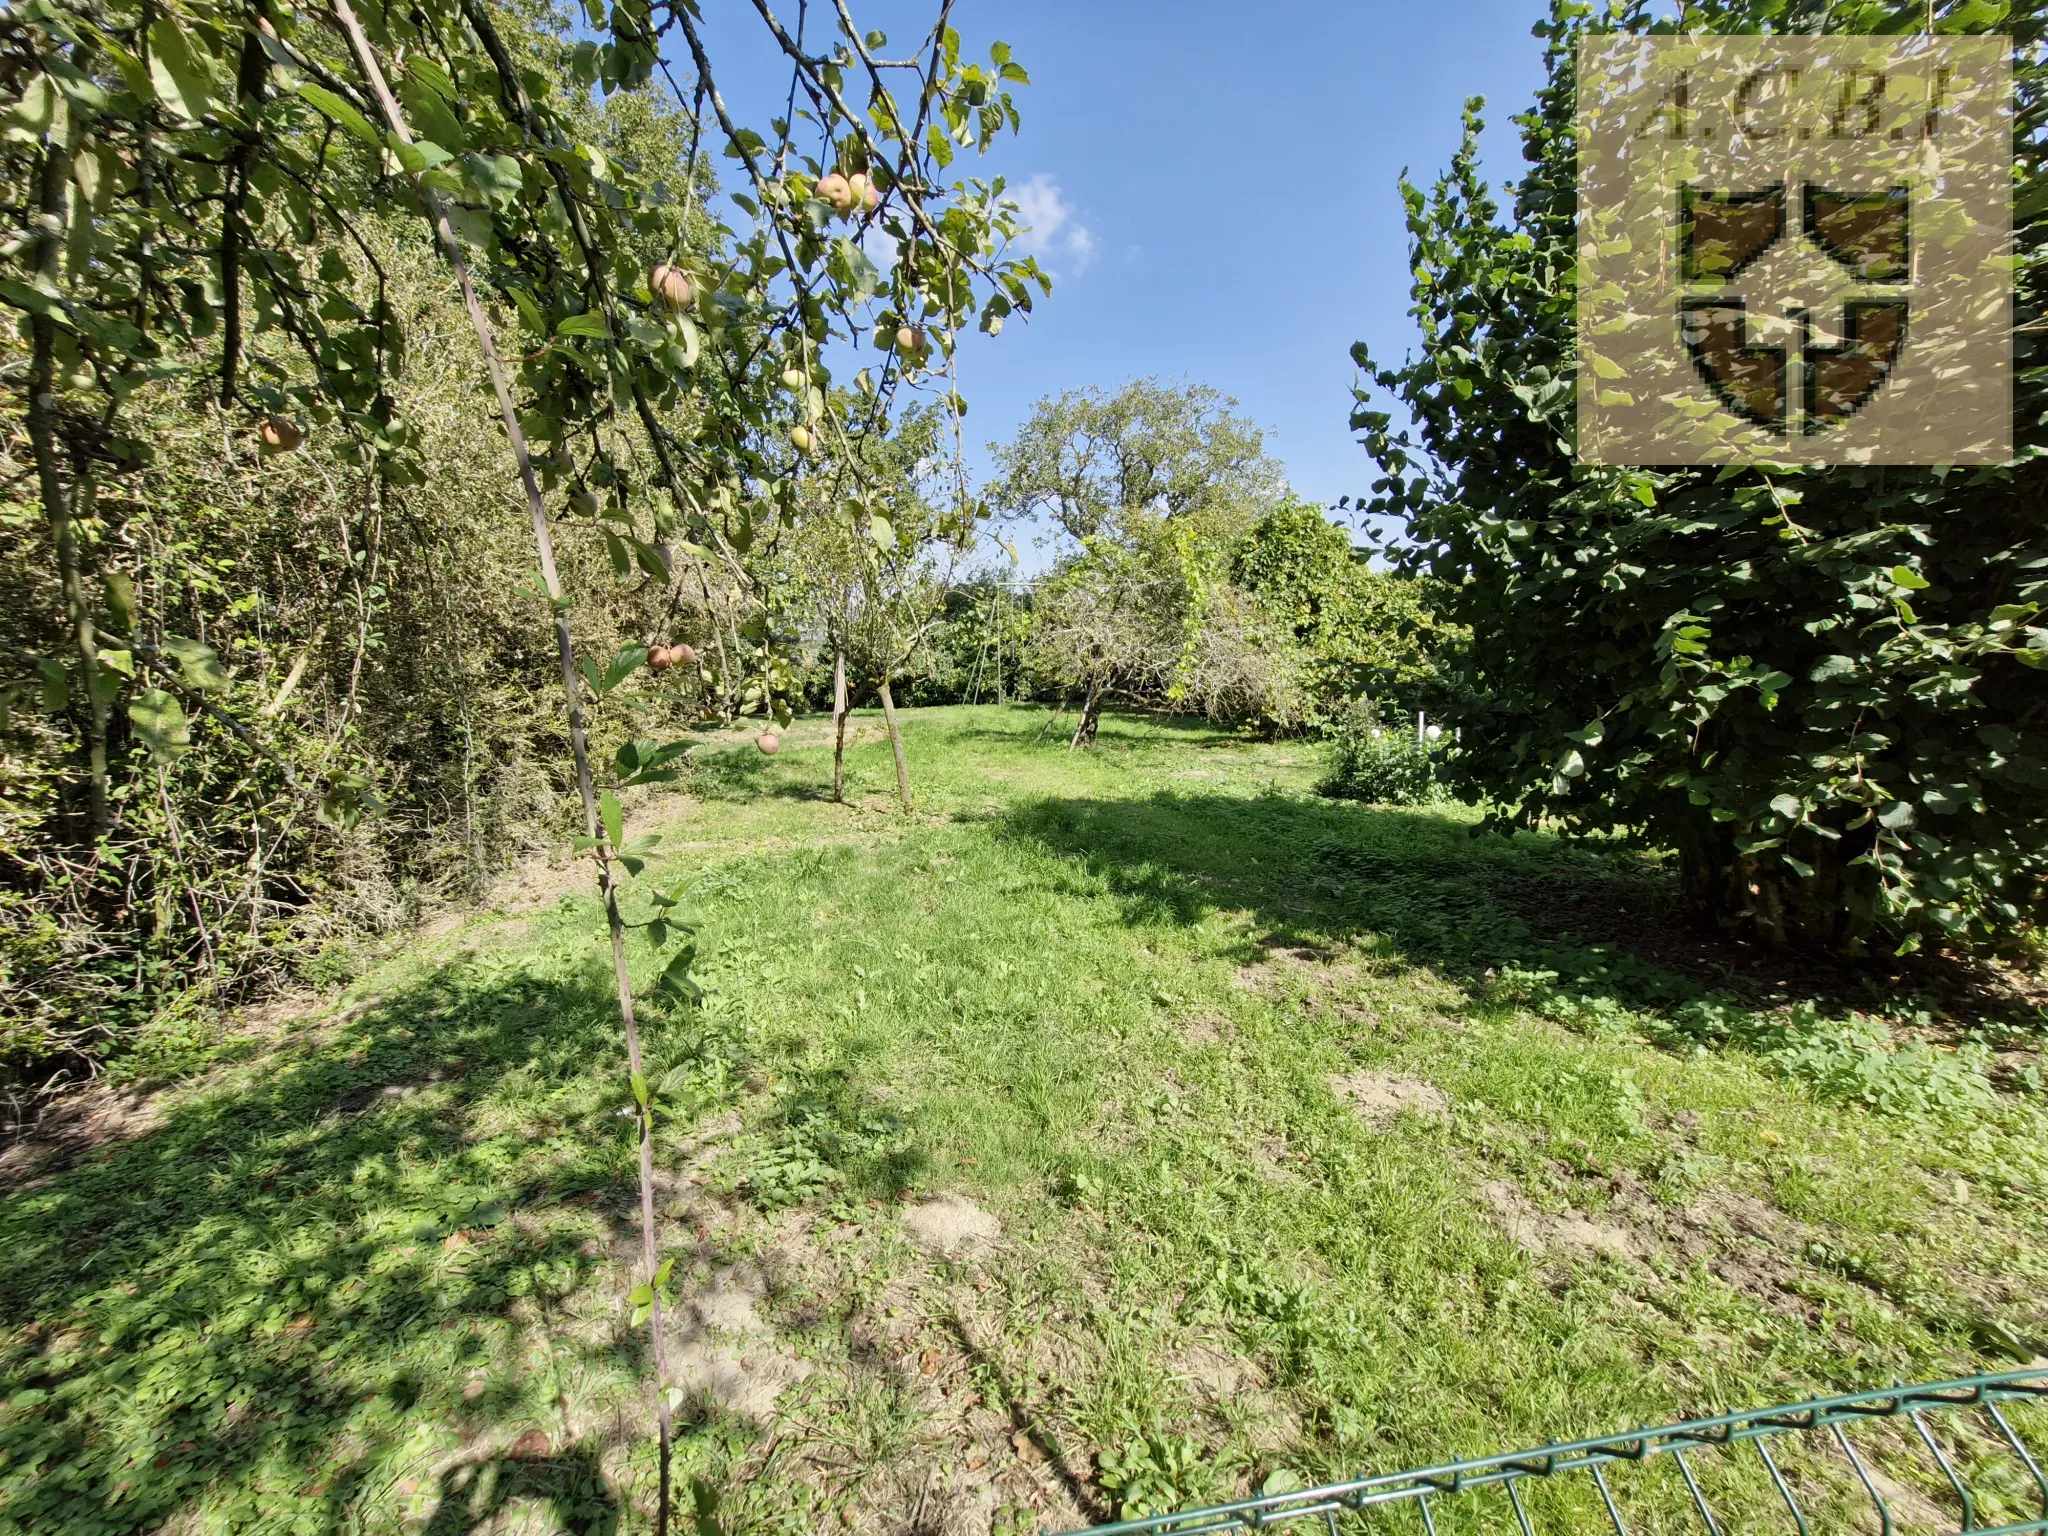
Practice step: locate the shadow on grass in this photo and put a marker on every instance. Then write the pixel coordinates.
(1430, 892)
(571, 1487)
(1119, 729)
(268, 1307)
(1309, 870)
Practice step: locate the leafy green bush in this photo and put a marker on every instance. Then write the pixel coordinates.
(1820, 687)
(1357, 628)
(1378, 763)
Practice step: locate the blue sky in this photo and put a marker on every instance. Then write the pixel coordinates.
(1214, 186)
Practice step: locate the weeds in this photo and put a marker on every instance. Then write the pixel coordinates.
(1153, 1473)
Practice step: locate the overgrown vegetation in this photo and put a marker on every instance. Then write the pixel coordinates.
(278, 653)
(1378, 760)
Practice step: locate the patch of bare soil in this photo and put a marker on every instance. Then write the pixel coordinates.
(952, 1226)
(1235, 1391)
(1749, 1245)
(724, 1355)
(1550, 1234)
(1287, 963)
(1210, 1029)
(1379, 1098)
(73, 1128)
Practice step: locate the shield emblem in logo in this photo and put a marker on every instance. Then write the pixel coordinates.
(1794, 250)
(1723, 234)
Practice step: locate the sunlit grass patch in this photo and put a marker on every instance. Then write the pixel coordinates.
(1281, 1139)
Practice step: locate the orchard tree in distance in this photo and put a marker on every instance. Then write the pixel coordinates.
(1826, 689)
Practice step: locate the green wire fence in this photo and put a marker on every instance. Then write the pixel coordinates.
(1337, 1507)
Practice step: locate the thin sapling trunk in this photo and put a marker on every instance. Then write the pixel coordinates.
(896, 744)
(578, 741)
(839, 723)
(59, 501)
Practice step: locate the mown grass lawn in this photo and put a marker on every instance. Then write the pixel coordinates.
(1113, 1131)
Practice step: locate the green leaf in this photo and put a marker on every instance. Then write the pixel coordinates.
(649, 560)
(159, 720)
(649, 763)
(197, 661)
(177, 71)
(429, 112)
(639, 1081)
(500, 179)
(1905, 576)
(121, 601)
(1786, 806)
(623, 665)
(342, 805)
(882, 531)
(36, 302)
(614, 819)
(584, 325)
(343, 113)
(56, 685)
(676, 979)
(687, 337)
(35, 111)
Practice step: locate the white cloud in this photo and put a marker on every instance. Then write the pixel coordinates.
(1053, 232)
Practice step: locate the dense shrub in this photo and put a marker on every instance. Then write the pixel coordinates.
(1822, 688)
(1355, 629)
(1377, 762)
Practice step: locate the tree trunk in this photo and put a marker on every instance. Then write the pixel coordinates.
(58, 501)
(1832, 912)
(1091, 712)
(578, 741)
(896, 745)
(839, 724)
(249, 93)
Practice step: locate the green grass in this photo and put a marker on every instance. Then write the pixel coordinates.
(368, 1270)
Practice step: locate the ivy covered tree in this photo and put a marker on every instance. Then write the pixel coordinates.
(1360, 631)
(1826, 689)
